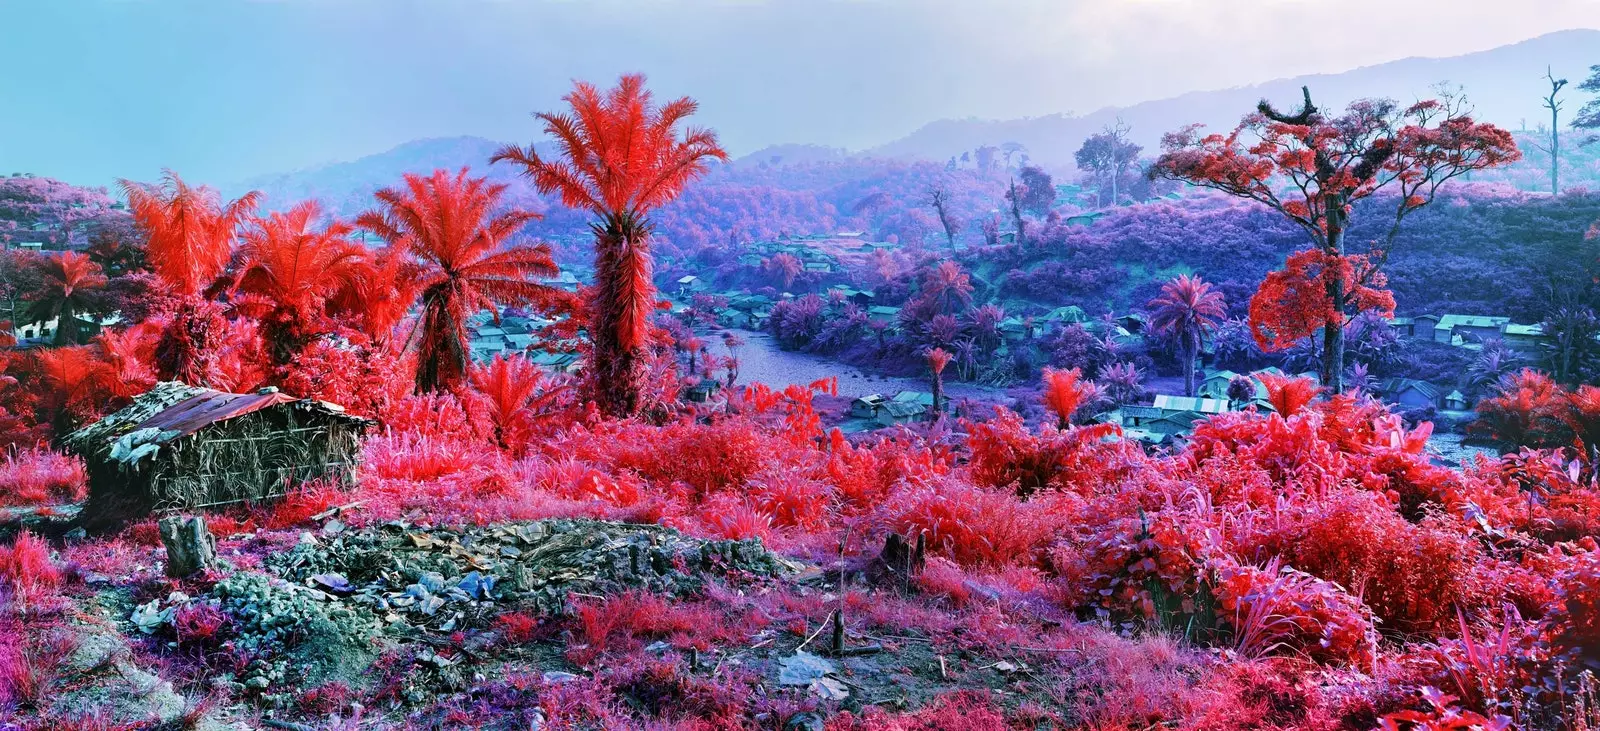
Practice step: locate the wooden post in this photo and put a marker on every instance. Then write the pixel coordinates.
(190, 547)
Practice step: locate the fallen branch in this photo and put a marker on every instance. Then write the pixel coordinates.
(330, 512)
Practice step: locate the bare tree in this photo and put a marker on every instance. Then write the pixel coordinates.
(939, 198)
(1011, 149)
(1108, 153)
(1554, 148)
(1014, 196)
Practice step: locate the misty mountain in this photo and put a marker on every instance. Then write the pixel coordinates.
(346, 187)
(1504, 85)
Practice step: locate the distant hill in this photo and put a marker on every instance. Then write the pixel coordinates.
(347, 187)
(1503, 84)
(792, 154)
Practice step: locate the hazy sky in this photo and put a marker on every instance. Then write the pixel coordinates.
(222, 90)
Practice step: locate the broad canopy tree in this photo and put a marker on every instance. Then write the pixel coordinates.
(1313, 168)
(622, 158)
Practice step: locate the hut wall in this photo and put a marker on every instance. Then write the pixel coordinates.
(252, 458)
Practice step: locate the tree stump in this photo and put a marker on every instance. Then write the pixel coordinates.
(190, 547)
(899, 561)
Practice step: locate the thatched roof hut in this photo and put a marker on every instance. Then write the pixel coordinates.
(180, 447)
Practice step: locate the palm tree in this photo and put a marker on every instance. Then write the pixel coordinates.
(189, 232)
(290, 273)
(785, 267)
(68, 283)
(622, 158)
(1187, 310)
(947, 285)
(455, 235)
(938, 358)
(1065, 392)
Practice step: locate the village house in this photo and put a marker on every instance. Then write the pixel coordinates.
(1014, 329)
(857, 297)
(1215, 384)
(1066, 315)
(182, 447)
(690, 284)
(866, 407)
(898, 412)
(1456, 401)
(703, 391)
(1411, 393)
(1196, 404)
(1525, 338)
(1457, 329)
(566, 281)
(557, 362)
(1422, 326)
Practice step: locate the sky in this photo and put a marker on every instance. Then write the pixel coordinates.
(225, 90)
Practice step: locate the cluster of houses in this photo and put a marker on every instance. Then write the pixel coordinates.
(906, 407)
(1472, 331)
(514, 333)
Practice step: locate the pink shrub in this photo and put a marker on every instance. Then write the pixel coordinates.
(41, 476)
(27, 572)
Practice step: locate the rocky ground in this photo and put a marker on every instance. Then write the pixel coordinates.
(557, 623)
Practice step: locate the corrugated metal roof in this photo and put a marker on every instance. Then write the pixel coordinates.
(210, 407)
(174, 410)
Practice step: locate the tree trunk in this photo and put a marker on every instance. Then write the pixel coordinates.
(1332, 374)
(1555, 148)
(617, 375)
(938, 396)
(190, 547)
(1190, 349)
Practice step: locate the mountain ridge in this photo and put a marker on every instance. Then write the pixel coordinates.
(1502, 83)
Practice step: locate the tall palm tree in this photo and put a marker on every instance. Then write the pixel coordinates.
(190, 232)
(622, 157)
(290, 272)
(455, 232)
(68, 284)
(1187, 310)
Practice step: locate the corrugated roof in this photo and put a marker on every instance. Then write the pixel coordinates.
(210, 407)
(173, 410)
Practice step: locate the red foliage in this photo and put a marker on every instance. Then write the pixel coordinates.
(39, 477)
(1277, 609)
(1441, 715)
(1006, 454)
(1288, 394)
(1574, 621)
(455, 234)
(289, 274)
(623, 158)
(27, 573)
(1064, 392)
(1530, 409)
(974, 526)
(1414, 576)
(1293, 304)
(512, 397)
(190, 232)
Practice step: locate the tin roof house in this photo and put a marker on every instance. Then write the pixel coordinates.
(182, 447)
